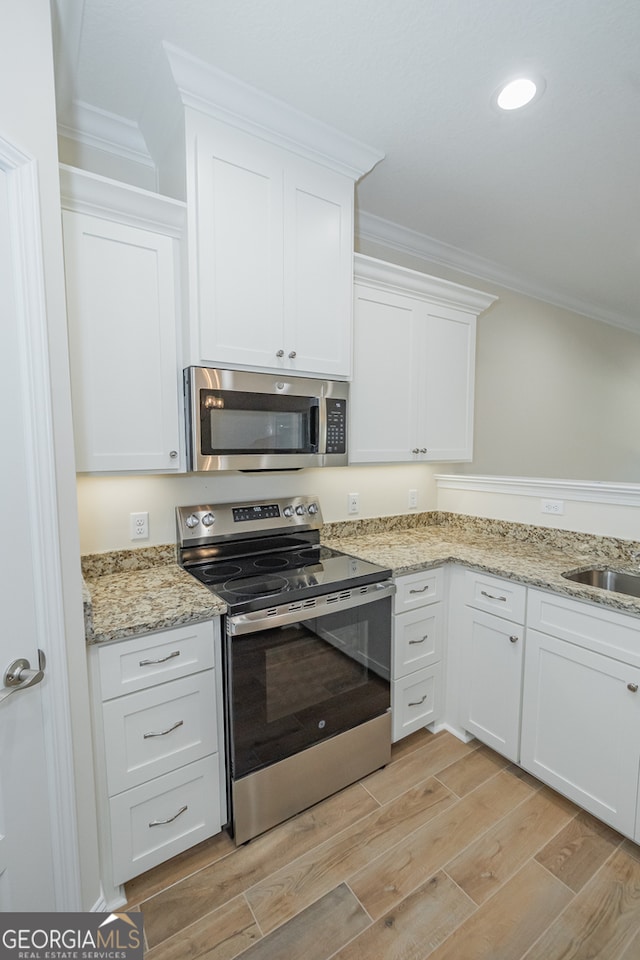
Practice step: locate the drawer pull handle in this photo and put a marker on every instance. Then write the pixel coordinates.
(163, 733)
(633, 687)
(421, 640)
(490, 596)
(513, 638)
(161, 823)
(421, 590)
(170, 656)
(416, 703)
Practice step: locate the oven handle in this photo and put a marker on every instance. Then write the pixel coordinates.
(321, 606)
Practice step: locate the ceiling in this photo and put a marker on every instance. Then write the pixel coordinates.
(545, 200)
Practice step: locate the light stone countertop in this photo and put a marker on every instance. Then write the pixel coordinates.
(128, 593)
(132, 602)
(535, 556)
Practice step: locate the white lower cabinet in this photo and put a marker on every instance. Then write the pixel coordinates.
(418, 633)
(581, 711)
(157, 712)
(491, 661)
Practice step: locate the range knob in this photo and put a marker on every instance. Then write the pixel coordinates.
(288, 511)
(300, 510)
(192, 521)
(208, 519)
(312, 508)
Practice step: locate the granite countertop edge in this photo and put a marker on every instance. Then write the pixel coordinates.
(131, 593)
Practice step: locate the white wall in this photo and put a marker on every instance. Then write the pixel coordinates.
(104, 503)
(611, 510)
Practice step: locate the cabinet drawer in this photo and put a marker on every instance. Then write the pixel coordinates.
(587, 624)
(151, 732)
(417, 589)
(160, 819)
(502, 597)
(415, 701)
(417, 639)
(142, 662)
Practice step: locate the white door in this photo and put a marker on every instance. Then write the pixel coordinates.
(27, 869)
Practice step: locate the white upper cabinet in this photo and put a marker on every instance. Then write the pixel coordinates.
(270, 200)
(414, 365)
(273, 264)
(121, 273)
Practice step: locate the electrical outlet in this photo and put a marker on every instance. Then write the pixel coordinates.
(353, 503)
(413, 498)
(139, 526)
(552, 506)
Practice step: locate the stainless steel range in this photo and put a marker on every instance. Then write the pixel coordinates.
(307, 646)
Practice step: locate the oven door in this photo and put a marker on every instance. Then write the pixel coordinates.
(303, 673)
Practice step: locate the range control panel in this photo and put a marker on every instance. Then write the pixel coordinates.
(212, 523)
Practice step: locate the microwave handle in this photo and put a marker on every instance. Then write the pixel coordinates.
(314, 426)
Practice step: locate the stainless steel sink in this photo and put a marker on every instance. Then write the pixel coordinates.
(606, 579)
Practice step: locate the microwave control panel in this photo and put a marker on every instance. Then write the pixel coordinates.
(336, 425)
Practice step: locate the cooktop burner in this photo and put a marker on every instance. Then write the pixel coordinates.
(273, 557)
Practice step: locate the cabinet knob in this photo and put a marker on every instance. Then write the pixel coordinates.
(513, 638)
(292, 355)
(280, 353)
(173, 454)
(415, 450)
(633, 687)
(423, 449)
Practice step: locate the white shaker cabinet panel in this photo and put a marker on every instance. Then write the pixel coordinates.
(448, 374)
(414, 365)
(318, 269)
(581, 716)
(238, 265)
(419, 626)
(491, 694)
(272, 256)
(122, 308)
(159, 759)
(416, 701)
(384, 411)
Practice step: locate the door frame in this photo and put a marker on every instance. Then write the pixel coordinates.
(21, 171)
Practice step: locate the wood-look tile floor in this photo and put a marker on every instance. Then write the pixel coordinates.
(448, 853)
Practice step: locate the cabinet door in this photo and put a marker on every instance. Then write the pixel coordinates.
(581, 714)
(383, 395)
(491, 692)
(121, 306)
(448, 375)
(237, 273)
(318, 269)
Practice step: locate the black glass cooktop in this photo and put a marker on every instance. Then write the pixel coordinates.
(264, 580)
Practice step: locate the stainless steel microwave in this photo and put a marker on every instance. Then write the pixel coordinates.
(262, 421)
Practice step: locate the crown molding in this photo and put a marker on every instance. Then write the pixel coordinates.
(105, 131)
(395, 237)
(223, 97)
(98, 196)
(402, 280)
(587, 491)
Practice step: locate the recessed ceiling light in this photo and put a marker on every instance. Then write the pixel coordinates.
(518, 93)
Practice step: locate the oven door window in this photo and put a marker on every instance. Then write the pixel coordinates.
(233, 422)
(295, 685)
